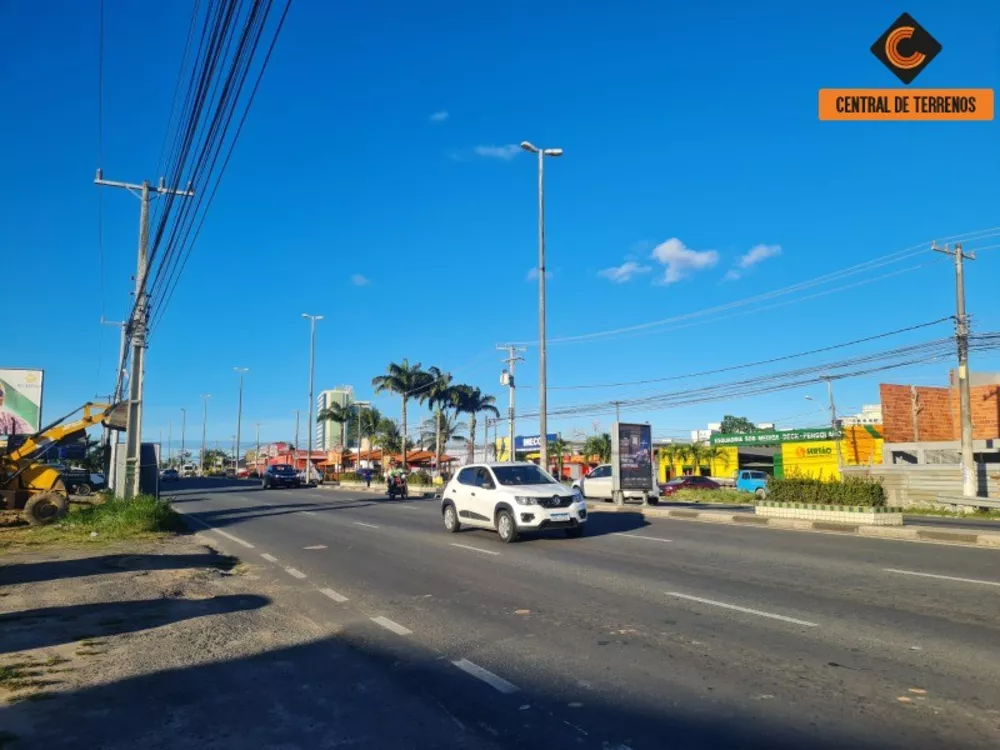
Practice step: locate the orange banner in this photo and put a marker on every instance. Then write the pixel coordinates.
(905, 104)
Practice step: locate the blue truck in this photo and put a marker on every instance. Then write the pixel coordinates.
(748, 480)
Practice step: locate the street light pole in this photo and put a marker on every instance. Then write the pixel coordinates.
(239, 416)
(542, 380)
(204, 428)
(312, 366)
(184, 417)
(360, 406)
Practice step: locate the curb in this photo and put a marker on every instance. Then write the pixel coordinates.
(933, 534)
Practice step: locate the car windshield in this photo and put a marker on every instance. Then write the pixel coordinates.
(283, 469)
(678, 480)
(758, 475)
(513, 475)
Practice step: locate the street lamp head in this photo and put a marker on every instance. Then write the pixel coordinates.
(553, 152)
(528, 146)
(242, 369)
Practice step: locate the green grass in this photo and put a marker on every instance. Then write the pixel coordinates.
(721, 495)
(988, 515)
(145, 517)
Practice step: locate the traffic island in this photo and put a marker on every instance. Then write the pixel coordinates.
(867, 515)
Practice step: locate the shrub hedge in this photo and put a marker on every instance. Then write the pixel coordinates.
(858, 491)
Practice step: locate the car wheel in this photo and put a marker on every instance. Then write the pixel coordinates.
(760, 494)
(263, 485)
(451, 523)
(84, 489)
(506, 527)
(576, 532)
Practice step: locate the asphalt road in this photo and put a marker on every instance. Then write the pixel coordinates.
(642, 634)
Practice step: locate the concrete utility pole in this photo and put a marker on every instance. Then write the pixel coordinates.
(170, 440)
(915, 412)
(312, 366)
(137, 325)
(833, 420)
(184, 416)
(543, 425)
(617, 405)
(507, 379)
(110, 437)
(970, 484)
(361, 406)
(239, 416)
(204, 429)
(256, 459)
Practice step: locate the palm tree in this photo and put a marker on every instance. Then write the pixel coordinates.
(674, 453)
(441, 394)
(558, 448)
(368, 422)
(699, 454)
(713, 453)
(438, 431)
(598, 446)
(472, 401)
(406, 380)
(389, 437)
(339, 413)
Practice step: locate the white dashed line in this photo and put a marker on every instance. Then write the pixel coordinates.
(295, 573)
(747, 610)
(497, 683)
(475, 549)
(388, 624)
(339, 598)
(366, 525)
(220, 532)
(308, 513)
(640, 536)
(269, 558)
(940, 577)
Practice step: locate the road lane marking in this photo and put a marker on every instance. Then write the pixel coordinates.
(497, 683)
(219, 531)
(269, 558)
(747, 610)
(315, 546)
(640, 536)
(339, 598)
(366, 525)
(940, 577)
(308, 513)
(388, 624)
(475, 549)
(295, 573)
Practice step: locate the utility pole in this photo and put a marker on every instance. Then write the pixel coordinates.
(257, 454)
(137, 325)
(239, 416)
(969, 481)
(543, 424)
(507, 379)
(111, 436)
(204, 429)
(833, 421)
(915, 412)
(312, 367)
(170, 440)
(296, 439)
(184, 415)
(617, 405)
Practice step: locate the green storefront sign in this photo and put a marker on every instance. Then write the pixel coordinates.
(773, 437)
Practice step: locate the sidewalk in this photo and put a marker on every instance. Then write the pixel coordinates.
(171, 645)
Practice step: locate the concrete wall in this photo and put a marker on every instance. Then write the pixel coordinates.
(919, 485)
(937, 413)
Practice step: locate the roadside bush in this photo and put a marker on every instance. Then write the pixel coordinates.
(864, 491)
(724, 495)
(420, 479)
(122, 518)
(351, 476)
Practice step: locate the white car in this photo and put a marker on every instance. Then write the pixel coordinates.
(511, 498)
(597, 486)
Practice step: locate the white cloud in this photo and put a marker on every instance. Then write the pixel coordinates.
(624, 272)
(731, 275)
(533, 275)
(359, 280)
(681, 261)
(439, 116)
(758, 254)
(506, 153)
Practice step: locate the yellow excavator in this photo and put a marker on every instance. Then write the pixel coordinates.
(29, 485)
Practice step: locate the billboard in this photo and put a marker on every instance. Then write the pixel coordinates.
(632, 456)
(531, 442)
(20, 402)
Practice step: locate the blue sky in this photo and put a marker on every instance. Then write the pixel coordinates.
(378, 152)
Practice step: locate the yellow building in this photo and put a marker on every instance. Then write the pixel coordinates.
(678, 460)
(860, 445)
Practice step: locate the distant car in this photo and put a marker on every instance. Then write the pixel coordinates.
(597, 486)
(752, 481)
(81, 481)
(315, 478)
(687, 483)
(230, 473)
(280, 475)
(169, 475)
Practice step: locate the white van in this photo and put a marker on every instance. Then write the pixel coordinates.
(189, 470)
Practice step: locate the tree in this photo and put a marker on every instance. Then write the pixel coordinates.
(700, 454)
(407, 381)
(733, 425)
(472, 401)
(674, 453)
(446, 430)
(339, 413)
(599, 447)
(558, 448)
(441, 394)
(370, 419)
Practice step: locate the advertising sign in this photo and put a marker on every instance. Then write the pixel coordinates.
(20, 402)
(769, 437)
(632, 457)
(531, 442)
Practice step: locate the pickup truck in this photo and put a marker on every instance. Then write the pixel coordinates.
(751, 481)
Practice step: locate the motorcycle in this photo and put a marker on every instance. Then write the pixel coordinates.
(397, 487)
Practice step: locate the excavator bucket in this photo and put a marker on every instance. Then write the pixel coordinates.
(117, 417)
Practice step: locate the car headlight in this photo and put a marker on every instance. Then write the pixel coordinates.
(577, 496)
(522, 500)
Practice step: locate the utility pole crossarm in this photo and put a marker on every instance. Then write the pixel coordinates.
(513, 357)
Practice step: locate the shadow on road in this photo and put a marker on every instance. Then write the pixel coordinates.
(223, 517)
(49, 570)
(351, 691)
(53, 626)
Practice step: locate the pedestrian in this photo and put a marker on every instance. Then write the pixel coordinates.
(368, 477)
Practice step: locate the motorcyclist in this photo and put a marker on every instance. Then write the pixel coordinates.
(396, 474)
